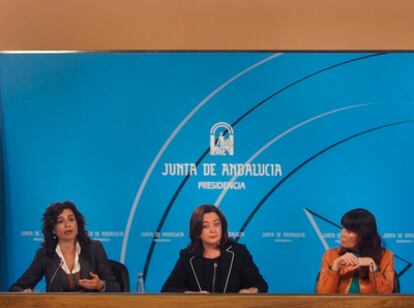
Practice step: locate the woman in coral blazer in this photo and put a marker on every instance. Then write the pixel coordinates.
(361, 264)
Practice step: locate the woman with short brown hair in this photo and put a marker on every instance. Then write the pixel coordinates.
(213, 263)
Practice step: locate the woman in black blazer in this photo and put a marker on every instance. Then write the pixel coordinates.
(68, 258)
(213, 263)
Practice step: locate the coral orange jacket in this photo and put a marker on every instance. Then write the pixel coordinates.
(381, 281)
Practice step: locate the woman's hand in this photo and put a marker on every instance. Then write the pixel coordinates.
(367, 261)
(92, 284)
(251, 290)
(27, 291)
(348, 259)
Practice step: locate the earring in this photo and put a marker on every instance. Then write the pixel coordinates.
(54, 236)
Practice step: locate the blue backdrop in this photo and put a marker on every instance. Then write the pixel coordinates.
(127, 137)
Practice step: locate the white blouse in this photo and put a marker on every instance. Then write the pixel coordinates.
(65, 267)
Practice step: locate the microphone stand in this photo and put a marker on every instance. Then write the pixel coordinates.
(214, 277)
(54, 275)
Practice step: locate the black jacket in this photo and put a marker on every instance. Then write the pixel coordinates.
(47, 265)
(239, 272)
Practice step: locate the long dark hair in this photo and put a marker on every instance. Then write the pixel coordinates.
(49, 222)
(196, 226)
(363, 223)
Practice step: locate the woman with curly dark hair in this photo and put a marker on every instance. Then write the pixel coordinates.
(68, 258)
(361, 264)
(213, 263)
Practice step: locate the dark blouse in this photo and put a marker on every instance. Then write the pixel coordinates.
(72, 283)
(212, 273)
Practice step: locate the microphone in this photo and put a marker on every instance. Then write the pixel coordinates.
(54, 275)
(214, 277)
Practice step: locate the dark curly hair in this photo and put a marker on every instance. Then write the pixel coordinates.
(196, 226)
(363, 223)
(49, 222)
